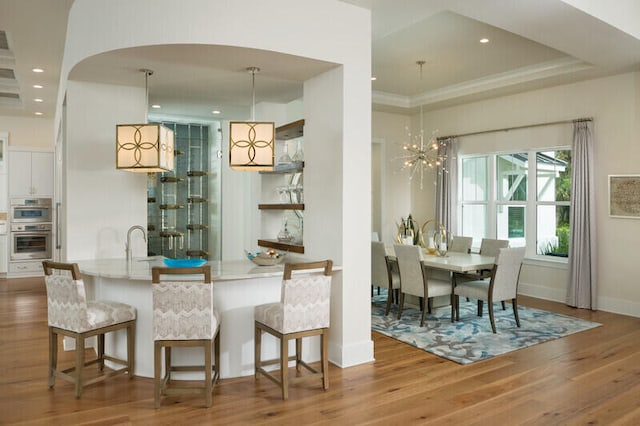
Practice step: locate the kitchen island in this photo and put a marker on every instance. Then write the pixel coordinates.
(238, 286)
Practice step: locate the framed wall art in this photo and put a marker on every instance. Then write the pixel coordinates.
(624, 196)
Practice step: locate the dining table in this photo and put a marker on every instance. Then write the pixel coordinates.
(452, 262)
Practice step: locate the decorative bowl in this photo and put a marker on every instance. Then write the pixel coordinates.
(266, 258)
(184, 263)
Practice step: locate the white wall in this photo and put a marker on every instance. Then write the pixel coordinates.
(28, 132)
(331, 31)
(101, 202)
(614, 104)
(390, 130)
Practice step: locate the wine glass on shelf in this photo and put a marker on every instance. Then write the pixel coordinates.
(285, 158)
(298, 156)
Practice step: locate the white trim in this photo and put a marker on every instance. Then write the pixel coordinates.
(353, 354)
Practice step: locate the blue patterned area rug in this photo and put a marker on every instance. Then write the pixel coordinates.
(471, 339)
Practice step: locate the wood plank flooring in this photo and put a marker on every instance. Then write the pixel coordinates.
(591, 377)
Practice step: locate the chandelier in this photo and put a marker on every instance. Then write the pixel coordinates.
(421, 154)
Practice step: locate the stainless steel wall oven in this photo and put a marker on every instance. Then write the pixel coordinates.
(31, 210)
(30, 241)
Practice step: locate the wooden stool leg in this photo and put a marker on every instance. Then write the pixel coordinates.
(79, 364)
(216, 355)
(207, 374)
(53, 356)
(157, 372)
(167, 363)
(324, 348)
(100, 338)
(131, 340)
(257, 348)
(298, 353)
(284, 367)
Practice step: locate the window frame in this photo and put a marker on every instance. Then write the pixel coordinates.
(492, 203)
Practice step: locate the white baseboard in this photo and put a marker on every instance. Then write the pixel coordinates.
(354, 354)
(607, 304)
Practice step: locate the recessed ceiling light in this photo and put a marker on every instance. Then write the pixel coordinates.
(38, 113)
(484, 40)
(156, 106)
(37, 86)
(215, 111)
(38, 100)
(374, 78)
(37, 70)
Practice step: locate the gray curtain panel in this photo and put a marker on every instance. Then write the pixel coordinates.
(447, 185)
(581, 289)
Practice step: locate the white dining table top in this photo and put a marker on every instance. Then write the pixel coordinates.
(455, 262)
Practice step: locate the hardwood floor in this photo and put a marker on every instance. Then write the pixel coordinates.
(591, 377)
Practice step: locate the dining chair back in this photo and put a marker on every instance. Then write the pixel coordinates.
(415, 279)
(502, 285)
(70, 314)
(460, 244)
(491, 247)
(384, 272)
(184, 315)
(303, 310)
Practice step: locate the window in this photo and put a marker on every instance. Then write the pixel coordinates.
(521, 196)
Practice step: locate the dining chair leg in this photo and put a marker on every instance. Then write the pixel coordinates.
(504, 306)
(424, 312)
(491, 318)
(457, 307)
(514, 304)
(400, 303)
(480, 307)
(389, 297)
(453, 306)
(216, 355)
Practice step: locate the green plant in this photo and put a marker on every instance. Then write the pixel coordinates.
(559, 248)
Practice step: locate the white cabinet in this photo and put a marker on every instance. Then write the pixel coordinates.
(30, 174)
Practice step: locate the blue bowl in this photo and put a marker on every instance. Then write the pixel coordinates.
(184, 263)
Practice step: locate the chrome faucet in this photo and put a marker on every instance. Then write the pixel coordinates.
(127, 247)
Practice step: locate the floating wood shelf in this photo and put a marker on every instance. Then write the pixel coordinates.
(293, 167)
(290, 131)
(171, 179)
(275, 244)
(194, 227)
(284, 206)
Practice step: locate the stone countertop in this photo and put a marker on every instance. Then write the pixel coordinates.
(140, 269)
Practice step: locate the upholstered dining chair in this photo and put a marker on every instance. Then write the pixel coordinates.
(184, 315)
(460, 244)
(303, 311)
(502, 284)
(71, 314)
(416, 281)
(488, 247)
(384, 272)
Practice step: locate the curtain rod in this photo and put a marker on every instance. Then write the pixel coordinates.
(506, 129)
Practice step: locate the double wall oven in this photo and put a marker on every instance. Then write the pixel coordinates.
(31, 229)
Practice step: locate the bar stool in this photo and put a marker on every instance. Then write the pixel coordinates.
(184, 315)
(70, 314)
(303, 311)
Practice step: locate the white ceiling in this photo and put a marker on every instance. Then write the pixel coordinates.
(533, 44)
